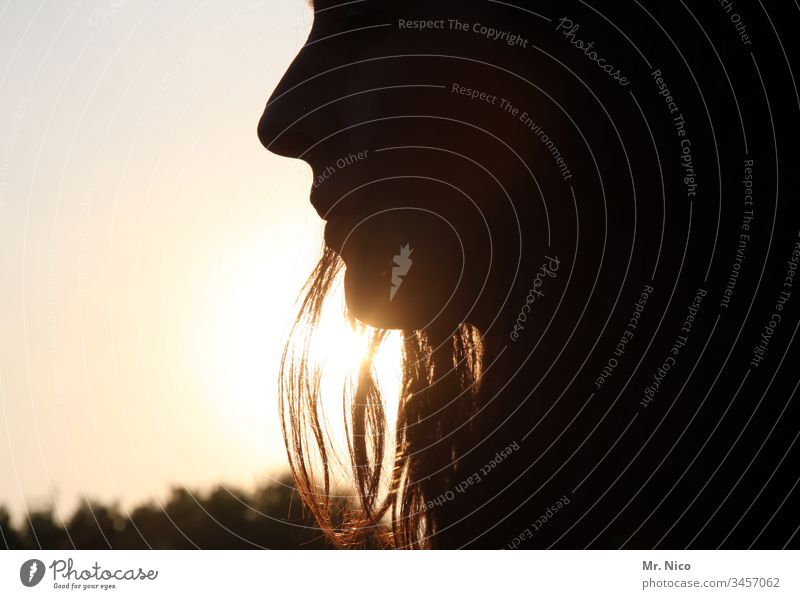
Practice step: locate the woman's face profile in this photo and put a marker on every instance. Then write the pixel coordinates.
(397, 110)
(540, 200)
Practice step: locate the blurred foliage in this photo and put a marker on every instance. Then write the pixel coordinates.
(271, 516)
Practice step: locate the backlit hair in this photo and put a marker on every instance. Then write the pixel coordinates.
(436, 425)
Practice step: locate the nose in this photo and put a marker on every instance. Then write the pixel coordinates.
(284, 128)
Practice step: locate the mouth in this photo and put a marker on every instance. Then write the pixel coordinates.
(341, 225)
(340, 231)
(336, 233)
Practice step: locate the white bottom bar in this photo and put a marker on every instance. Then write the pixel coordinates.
(402, 574)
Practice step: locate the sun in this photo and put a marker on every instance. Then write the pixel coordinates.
(245, 318)
(339, 348)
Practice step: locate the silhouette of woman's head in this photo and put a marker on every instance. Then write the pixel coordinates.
(418, 121)
(444, 139)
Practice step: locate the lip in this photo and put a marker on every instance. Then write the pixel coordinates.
(340, 226)
(339, 232)
(334, 236)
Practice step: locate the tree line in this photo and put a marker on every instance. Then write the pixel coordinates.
(270, 516)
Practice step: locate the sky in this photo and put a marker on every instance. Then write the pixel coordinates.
(151, 249)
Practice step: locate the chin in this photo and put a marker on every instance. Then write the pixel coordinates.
(375, 308)
(386, 321)
(411, 308)
(406, 272)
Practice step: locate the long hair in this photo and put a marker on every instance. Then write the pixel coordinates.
(436, 426)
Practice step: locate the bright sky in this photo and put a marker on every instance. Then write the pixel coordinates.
(150, 248)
